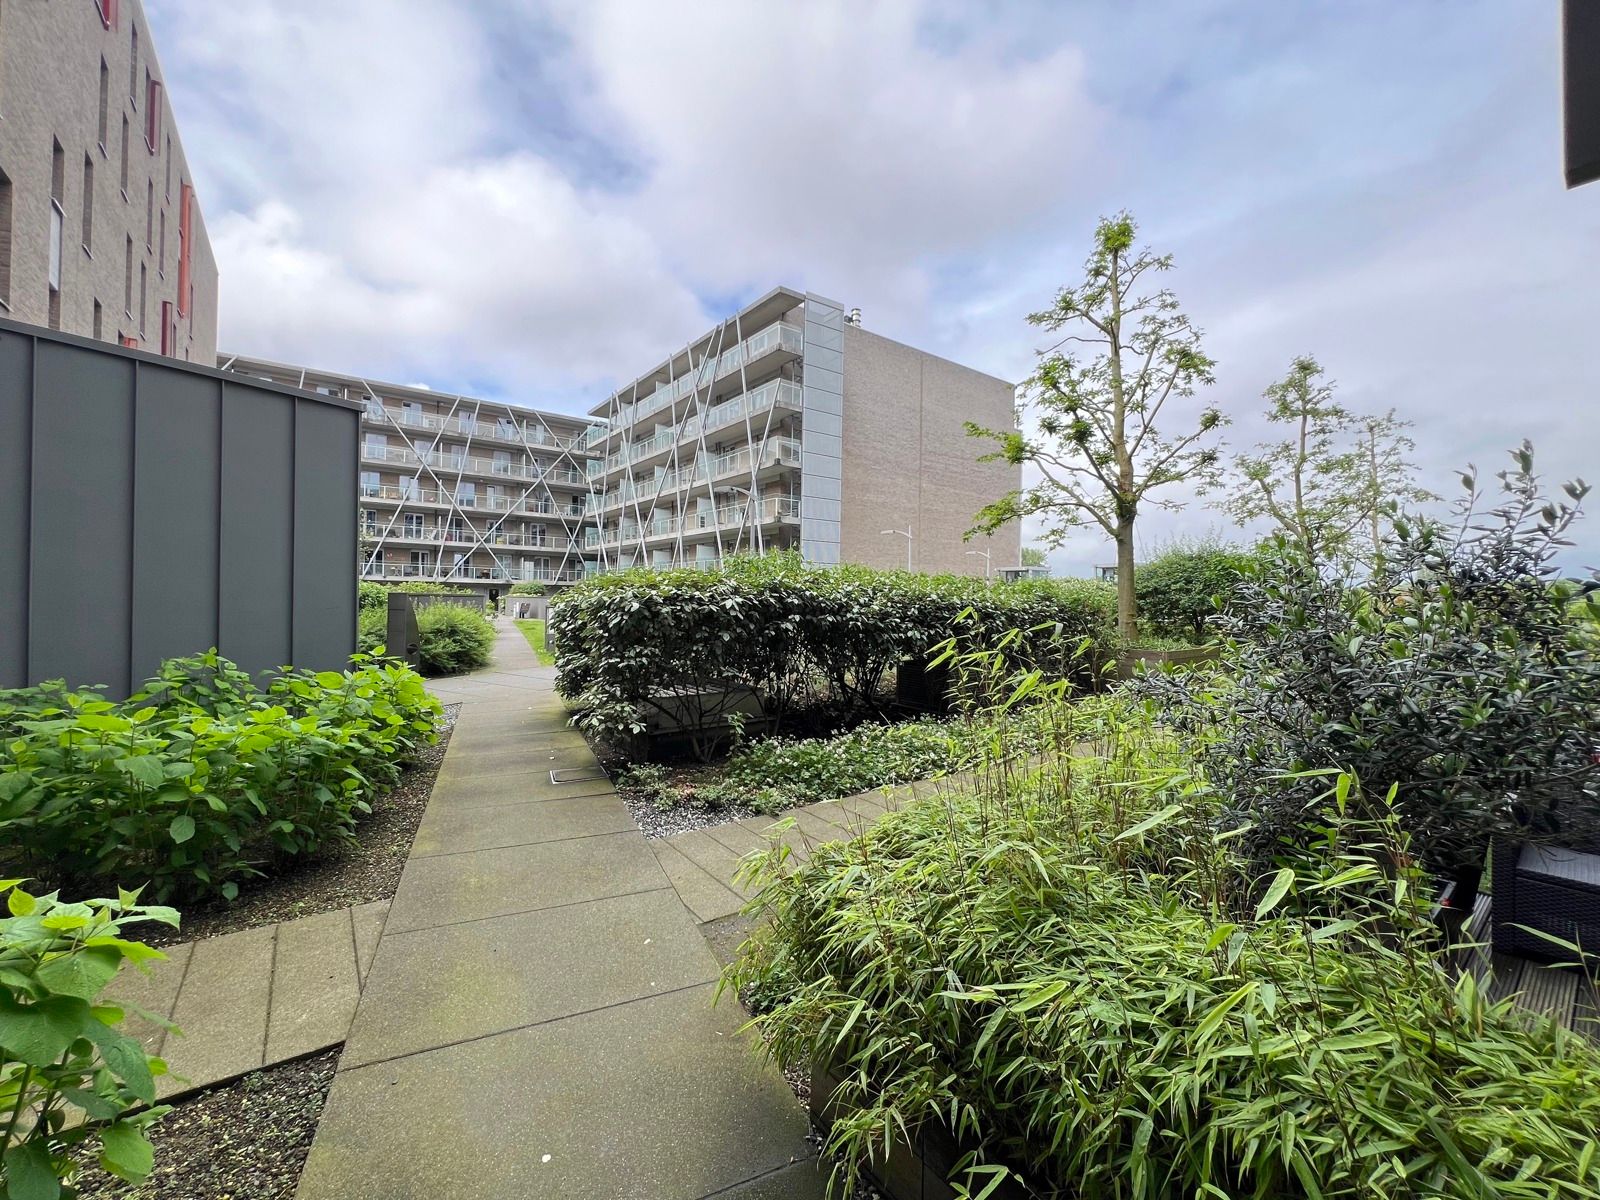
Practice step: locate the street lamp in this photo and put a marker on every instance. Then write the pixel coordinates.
(987, 562)
(905, 533)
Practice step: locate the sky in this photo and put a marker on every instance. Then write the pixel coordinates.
(535, 200)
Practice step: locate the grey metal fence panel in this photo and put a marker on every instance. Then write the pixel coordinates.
(16, 408)
(150, 508)
(175, 474)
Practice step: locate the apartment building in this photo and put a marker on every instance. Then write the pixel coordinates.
(457, 490)
(100, 231)
(789, 426)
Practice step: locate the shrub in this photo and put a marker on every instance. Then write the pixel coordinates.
(197, 780)
(1458, 678)
(66, 1069)
(370, 596)
(1075, 974)
(372, 629)
(528, 589)
(631, 641)
(451, 639)
(1185, 586)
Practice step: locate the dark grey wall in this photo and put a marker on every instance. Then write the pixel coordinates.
(150, 508)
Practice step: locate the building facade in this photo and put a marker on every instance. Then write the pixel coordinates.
(100, 231)
(456, 490)
(788, 426)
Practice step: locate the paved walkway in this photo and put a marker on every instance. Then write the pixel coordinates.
(247, 1000)
(537, 1020)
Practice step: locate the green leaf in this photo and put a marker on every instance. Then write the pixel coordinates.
(20, 903)
(1149, 823)
(126, 1152)
(30, 1175)
(82, 973)
(125, 1058)
(147, 769)
(182, 828)
(39, 1033)
(1281, 884)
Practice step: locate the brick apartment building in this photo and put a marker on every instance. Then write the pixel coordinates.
(100, 231)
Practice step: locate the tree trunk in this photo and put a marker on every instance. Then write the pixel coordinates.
(1127, 602)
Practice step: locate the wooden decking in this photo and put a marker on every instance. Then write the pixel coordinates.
(1566, 995)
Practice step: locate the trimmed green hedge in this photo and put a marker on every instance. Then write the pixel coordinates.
(200, 778)
(450, 639)
(791, 633)
(1182, 588)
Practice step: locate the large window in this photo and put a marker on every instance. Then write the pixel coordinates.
(5, 241)
(370, 485)
(88, 203)
(105, 103)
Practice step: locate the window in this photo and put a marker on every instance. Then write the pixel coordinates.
(369, 483)
(105, 103)
(128, 340)
(369, 522)
(149, 214)
(502, 462)
(413, 524)
(169, 167)
(124, 157)
(58, 220)
(5, 241)
(375, 445)
(411, 412)
(152, 113)
(133, 67)
(185, 292)
(88, 204)
(408, 487)
(144, 298)
(161, 256)
(127, 281)
(169, 329)
(108, 12)
(374, 409)
(467, 493)
(97, 320)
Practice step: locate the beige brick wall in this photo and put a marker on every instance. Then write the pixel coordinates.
(50, 56)
(909, 464)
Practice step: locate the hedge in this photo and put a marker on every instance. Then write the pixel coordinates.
(200, 778)
(450, 639)
(634, 641)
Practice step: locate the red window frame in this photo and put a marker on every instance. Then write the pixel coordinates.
(185, 246)
(108, 12)
(169, 329)
(127, 339)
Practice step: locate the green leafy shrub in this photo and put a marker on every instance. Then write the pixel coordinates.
(1074, 973)
(1459, 678)
(528, 589)
(67, 1072)
(451, 639)
(371, 595)
(630, 642)
(200, 778)
(1185, 586)
(372, 629)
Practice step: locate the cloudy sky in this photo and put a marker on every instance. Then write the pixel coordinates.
(536, 200)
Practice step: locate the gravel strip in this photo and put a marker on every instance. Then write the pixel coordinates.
(664, 822)
(246, 1140)
(359, 873)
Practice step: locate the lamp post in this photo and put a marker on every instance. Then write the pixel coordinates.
(988, 563)
(905, 533)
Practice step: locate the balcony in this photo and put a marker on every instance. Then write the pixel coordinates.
(531, 434)
(774, 394)
(521, 505)
(472, 572)
(446, 535)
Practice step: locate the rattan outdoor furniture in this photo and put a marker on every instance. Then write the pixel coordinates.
(1548, 889)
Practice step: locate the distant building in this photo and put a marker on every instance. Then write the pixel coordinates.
(100, 231)
(457, 490)
(788, 426)
(1017, 574)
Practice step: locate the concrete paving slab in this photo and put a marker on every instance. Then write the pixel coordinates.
(736, 837)
(815, 828)
(803, 1181)
(510, 789)
(775, 831)
(657, 1099)
(435, 987)
(570, 754)
(490, 883)
(315, 985)
(452, 831)
(702, 895)
(367, 924)
(229, 975)
(154, 989)
(710, 855)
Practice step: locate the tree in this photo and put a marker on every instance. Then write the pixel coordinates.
(1033, 556)
(1098, 444)
(1326, 487)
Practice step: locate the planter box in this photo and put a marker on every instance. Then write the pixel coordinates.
(915, 1170)
(922, 688)
(1128, 661)
(674, 723)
